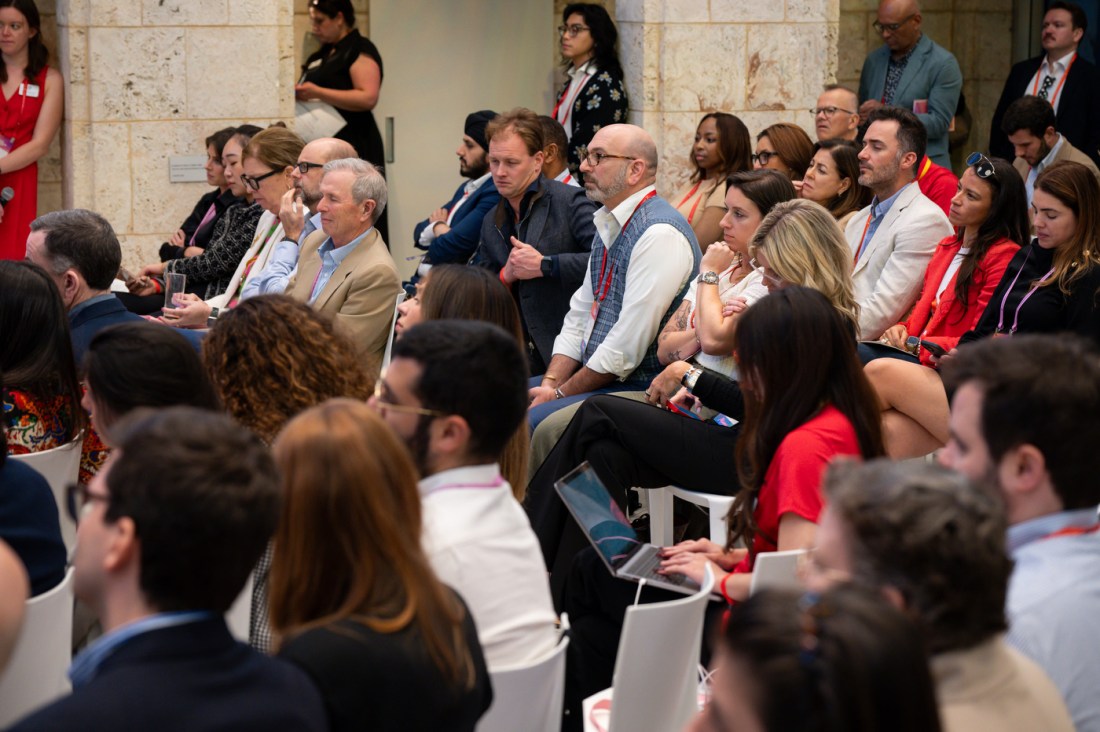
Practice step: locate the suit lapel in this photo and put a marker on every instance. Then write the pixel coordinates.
(345, 268)
(914, 67)
(533, 234)
(883, 231)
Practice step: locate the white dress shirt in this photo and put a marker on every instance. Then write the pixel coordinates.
(427, 234)
(1057, 69)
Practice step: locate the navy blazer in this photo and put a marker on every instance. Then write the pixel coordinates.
(459, 244)
(85, 324)
(1078, 116)
(558, 222)
(191, 677)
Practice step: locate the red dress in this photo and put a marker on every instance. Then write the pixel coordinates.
(18, 116)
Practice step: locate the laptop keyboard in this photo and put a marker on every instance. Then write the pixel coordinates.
(646, 568)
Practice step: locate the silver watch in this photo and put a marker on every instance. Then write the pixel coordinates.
(708, 278)
(691, 378)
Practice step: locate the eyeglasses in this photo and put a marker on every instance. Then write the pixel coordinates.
(983, 166)
(829, 111)
(386, 406)
(595, 158)
(78, 498)
(571, 30)
(892, 27)
(254, 183)
(764, 156)
(774, 280)
(304, 168)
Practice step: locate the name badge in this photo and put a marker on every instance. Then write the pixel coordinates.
(33, 90)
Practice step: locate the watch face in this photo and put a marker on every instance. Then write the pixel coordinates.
(547, 265)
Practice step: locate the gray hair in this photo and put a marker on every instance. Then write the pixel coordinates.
(368, 184)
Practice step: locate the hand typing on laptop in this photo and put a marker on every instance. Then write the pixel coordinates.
(690, 558)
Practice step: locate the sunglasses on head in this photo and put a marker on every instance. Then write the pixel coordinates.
(982, 165)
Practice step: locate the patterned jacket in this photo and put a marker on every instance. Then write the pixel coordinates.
(601, 102)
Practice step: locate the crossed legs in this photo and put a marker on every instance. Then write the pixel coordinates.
(914, 406)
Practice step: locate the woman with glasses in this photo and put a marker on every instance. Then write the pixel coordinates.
(722, 147)
(594, 96)
(784, 147)
(833, 180)
(989, 215)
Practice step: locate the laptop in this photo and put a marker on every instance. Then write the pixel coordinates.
(612, 536)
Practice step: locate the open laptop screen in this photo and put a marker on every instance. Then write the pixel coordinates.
(597, 513)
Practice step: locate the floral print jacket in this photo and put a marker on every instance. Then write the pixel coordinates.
(601, 102)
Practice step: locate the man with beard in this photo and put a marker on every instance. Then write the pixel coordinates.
(893, 238)
(304, 197)
(1025, 422)
(455, 392)
(1029, 124)
(451, 233)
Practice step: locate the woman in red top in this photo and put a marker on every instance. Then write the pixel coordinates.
(806, 402)
(30, 115)
(990, 216)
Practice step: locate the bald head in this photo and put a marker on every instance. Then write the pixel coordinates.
(629, 164)
(316, 154)
(904, 15)
(637, 143)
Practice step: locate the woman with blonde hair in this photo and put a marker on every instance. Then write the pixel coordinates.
(354, 600)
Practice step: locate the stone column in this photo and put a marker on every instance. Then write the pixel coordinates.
(150, 79)
(762, 60)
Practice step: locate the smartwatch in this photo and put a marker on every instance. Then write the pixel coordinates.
(691, 378)
(213, 317)
(708, 278)
(547, 266)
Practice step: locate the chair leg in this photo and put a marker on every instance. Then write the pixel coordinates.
(661, 530)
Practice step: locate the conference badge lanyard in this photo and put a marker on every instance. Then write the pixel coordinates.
(999, 333)
(25, 90)
(568, 105)
(863, 237)
(1057, 89)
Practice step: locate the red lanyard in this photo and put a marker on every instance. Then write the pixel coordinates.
(688, 197)
(1057, 89)
(567, 179)
(866, 226)
(1073, 531)
(604, 286)
(569, 104)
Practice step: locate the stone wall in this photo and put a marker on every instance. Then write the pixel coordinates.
(763, 61)
(49, 167)
(978, 32)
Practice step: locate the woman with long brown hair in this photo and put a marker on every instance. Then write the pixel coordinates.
(353, 598)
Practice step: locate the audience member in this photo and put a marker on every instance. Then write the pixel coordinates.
(454, 392)
(893, 239)
(194, 233)
(934, 545)
(186, 490)
(1059, 76)
(29, 525)
(353, 595)
(40, 402)
(1024, 425)
(345, 270)
(451, 233)
(836, 116)
(722, 147)
(298, 215)
(454, 292)
(595, 95)
(912, 72)
(937, 183)
(1029, 124)
(989, 216)
(13, 602)
(538, 238)
(555, 166)
(784, 147)
(833, 179)
(844, 661)
(647, 258)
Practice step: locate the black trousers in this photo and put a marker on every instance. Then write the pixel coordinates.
(629, 444)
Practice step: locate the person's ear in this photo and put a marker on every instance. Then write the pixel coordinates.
(845, 184)
(1023, 470)
(124, 546)
(451, 435)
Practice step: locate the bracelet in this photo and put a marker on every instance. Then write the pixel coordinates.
(722, 589)
(548, 377)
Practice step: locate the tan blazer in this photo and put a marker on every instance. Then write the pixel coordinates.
(359, 296)
(1066, 152)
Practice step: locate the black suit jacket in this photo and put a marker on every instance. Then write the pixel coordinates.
(1078, 115)
(85, 324)
(191, 678)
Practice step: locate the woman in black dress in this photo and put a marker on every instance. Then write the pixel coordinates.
(346, 72)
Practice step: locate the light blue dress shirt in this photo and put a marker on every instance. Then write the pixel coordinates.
(281, 265)
(331, 257)
(879, 209)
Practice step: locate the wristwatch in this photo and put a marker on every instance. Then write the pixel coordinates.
(213, 317)
(547, 266)
(708, 278)
(691, 378)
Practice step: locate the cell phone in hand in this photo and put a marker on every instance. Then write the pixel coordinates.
(125, 275)
(934, 348)
(675, 409)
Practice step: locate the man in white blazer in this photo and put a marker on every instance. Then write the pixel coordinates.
(893, 238)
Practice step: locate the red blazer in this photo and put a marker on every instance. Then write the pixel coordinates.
(947, 322)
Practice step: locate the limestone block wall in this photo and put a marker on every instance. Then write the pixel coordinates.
(49, 167)
(978, 32)
(150, 79)
(763, 61)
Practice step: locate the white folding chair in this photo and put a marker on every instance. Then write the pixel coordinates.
(655, 686)
(776, 571)
(529, 697)
(239, 615)
(36, 673)
(660, 513)
(60, 466)
(389, 343)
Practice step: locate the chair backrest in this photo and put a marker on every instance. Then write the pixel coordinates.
(529, 697)
(35, 675)
(239, 615)
(389, 343)
(656, 681)
(60, 466)
(776, 571)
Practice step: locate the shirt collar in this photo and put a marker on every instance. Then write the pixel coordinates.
(89, 302)
(1059, 64)
(1053, 154)
(1036, 529)
(485, 476)
(339, 254)
(610, 223)
(624, 210)
(473, 185)
(880, 208)
(587, 67)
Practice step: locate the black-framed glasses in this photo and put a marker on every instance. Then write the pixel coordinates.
(829, 111)
(764, 156)
(254, 183)
(304, 167)
(383, 405)
(983, 166)
(595, 158)
(892, 27)
(78, 498)
(571, 30)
